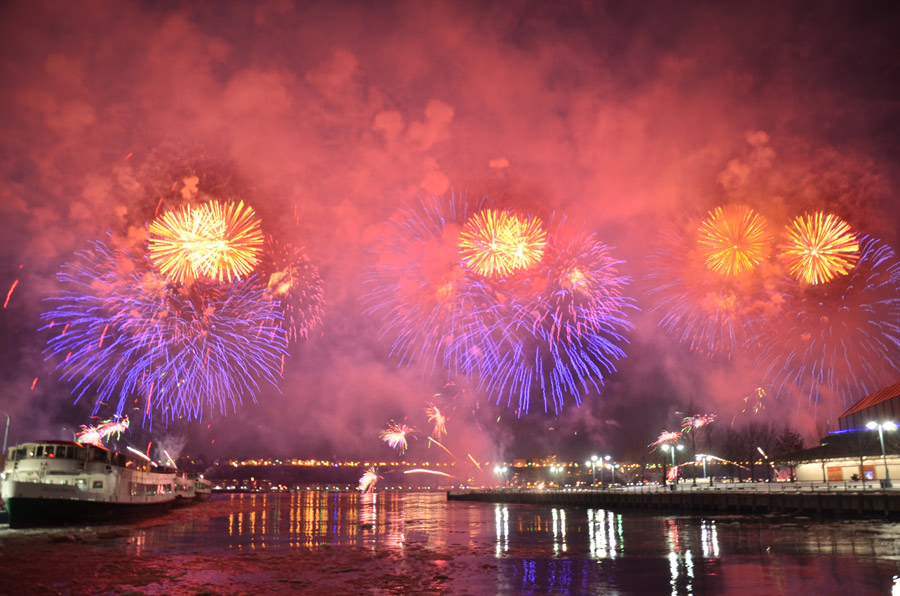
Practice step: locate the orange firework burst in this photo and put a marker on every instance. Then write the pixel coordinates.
(734, 240)
(214, 241)
(496, 243)
(819, 247)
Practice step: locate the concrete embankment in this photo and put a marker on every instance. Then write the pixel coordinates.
(812, 501)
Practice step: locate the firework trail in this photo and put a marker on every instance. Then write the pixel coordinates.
(709, 312)
(560, 330)
(367, 481)
(734, 240)
(477, 465)
(696, 422)
(497, 243)
(122, 331)
(94, 435)
(431, 440)
(294, 281)
(838, 338)
(214, 241)
(432, 308)
(438, 419)
(666, 437)
(819, 247)
(395, 436)
(424, 471)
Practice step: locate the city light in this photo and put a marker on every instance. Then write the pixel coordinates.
(889, 426)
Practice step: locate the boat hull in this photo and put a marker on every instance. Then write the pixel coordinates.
(27, 512)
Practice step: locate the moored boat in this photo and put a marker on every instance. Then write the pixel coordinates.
(60, 482)
(203, 489)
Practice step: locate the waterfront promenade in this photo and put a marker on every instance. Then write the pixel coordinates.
(799, 498)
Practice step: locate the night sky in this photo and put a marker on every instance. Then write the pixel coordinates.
(329, 117)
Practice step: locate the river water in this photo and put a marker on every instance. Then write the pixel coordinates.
(395, 542)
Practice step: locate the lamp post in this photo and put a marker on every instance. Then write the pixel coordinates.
(593, 463)
(5, 433)
(500, 471)
(886, 483)
(672, 448)
(703, 457)
(603, 463)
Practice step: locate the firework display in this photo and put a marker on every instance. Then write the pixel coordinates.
(123, 334)
(496, 243)
(709, 312)
(734, 240)
(438, 419)
(395, 435)
(696, 422)
(839, 338)
(667, 437)
(434, 311)
(368, 480)
(294, 281)
(214, 241)
(561, 331)
(95, 435)
(819, 247)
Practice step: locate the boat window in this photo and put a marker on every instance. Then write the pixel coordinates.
(21, 453)
(49, 451)
(80, 483)
(79, 453)
(70, 452)
(98, 484)
(39, 452)
(120, 459)
(99, 455)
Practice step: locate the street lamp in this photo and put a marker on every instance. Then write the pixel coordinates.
(500, 471)
(603, 463)
(5, 433)
(593, 463)
(703, 457)
(672, 448)
(886, 483)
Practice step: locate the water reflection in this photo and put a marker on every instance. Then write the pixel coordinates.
(539, 550)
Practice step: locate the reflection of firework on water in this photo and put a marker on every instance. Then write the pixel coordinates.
(94, 435)
(213, 241)
(430, 307)
(294, 281)
(666, 437)
(496, 243)
(438, 419)
(122, 331)
(819, 247)
(395, 435)
(697, 421)
(367, 481)
(839, 338)
(734, 240)
(560, 331)
(709, 312)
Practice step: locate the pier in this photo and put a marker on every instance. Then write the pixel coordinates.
(808, 499)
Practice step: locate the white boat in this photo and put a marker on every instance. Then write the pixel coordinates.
(61, 482)
(203, 490)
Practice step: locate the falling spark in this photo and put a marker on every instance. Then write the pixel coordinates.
(666, 437)
(33, 383)
(138, 453)
(696, 421)
(442, 447)
(474, 462)
(8, 294)
(440, 421)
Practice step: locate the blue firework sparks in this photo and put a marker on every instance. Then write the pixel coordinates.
(562, 328)
(839, 338)
(124, 334)
(430, 305)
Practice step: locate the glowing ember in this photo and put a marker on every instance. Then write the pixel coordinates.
(497, 243)
(819, 247)
(734, 240)
(696, 421)
(667, 437)
(214, 241)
